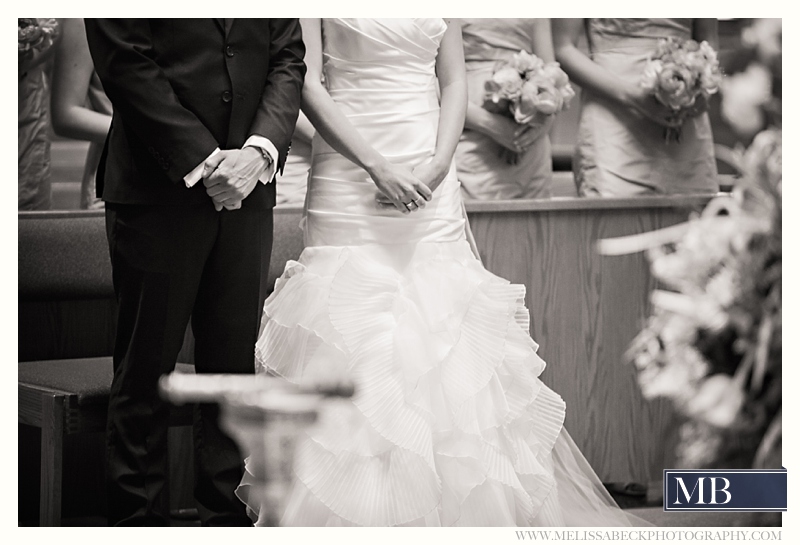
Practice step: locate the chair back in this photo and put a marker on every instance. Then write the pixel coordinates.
(63, 256)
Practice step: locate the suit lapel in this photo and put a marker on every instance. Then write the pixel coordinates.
(224, 25)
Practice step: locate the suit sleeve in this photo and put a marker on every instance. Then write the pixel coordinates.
(280, 101)
(122, 51)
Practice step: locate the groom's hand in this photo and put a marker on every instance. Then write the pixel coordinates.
(231, 175)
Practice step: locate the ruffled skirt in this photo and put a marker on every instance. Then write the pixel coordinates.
(450, 424)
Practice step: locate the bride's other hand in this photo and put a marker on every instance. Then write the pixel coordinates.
(400, 187)
(431, 173)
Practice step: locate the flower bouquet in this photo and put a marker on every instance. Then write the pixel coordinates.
(678, 74)
(713, 343)
(526, 86)
(35, 33)
(34, 37)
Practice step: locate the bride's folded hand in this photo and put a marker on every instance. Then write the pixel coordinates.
(400, 188)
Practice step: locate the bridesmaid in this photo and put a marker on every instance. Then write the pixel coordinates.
(621, 149)
(81, 110)
(33, 143)
(496, 158)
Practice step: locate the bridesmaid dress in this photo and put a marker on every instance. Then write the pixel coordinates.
(483, 173)
(621, 154)
(291, 185)
(33, 149)
(97, 100)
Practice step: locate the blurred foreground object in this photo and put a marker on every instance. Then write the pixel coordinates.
(750, 98)
(266, 416)
(713, 344)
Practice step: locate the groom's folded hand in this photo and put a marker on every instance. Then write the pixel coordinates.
(231, 175)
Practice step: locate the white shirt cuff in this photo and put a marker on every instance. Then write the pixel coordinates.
(266, 145)
(197, 172)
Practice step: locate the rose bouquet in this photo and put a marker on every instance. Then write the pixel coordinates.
(525, 87)
(34, 37)
(713, 343)
(679, 74)
(35, 33)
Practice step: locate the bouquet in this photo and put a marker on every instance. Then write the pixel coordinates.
(34, 37)
(35, 33)
(525, 87)
(713, 343)
(678, 74)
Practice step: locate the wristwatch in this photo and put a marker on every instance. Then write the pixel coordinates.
(264, 154)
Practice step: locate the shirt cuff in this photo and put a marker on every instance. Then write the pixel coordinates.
(266, 145)
(197, 172)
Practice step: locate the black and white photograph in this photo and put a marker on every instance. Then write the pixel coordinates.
(420, 272)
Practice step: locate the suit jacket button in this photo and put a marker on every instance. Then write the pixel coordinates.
(229, 51)
(226, 96)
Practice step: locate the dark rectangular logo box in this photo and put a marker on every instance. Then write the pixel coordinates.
(725, 490)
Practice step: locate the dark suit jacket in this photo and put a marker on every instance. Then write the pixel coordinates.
(183, 87)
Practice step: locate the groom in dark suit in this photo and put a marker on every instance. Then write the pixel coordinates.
(203, 113)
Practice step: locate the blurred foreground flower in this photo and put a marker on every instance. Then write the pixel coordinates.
(713, 343)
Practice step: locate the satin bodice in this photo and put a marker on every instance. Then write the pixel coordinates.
(380, 54)
(381, 75)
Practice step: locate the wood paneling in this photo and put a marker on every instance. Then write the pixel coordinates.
(585, 309)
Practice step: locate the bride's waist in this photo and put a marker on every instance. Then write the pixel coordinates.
(379, 77)
(341, 211)
(373, 102)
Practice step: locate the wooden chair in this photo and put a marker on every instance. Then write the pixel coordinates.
(64, 397)
(63, 258)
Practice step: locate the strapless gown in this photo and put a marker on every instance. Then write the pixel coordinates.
(620, 154)
(449, 424)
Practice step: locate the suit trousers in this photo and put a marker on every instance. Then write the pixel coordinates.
(170, 264)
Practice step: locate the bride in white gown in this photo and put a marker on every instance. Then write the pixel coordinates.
(450, 424)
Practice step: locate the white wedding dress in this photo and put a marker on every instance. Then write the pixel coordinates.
(449, 424)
